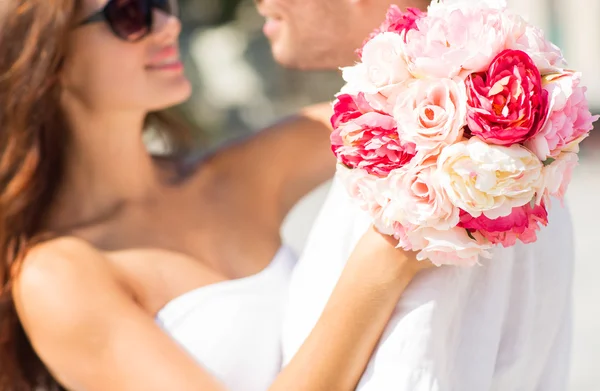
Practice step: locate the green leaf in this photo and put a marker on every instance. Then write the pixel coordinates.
(549, 161)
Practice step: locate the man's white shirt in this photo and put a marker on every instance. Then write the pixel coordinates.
(504, 325)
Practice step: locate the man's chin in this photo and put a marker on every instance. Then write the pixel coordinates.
(301, 61)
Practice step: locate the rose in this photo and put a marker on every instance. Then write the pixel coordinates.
(506, 104)
(453, 41)
(521, 224)
(432, 113)
(448, 247)
(556, 177)
(547, 57)
(371, 142)
(383, 65)
(416, 197)
(489, 179)
(570, 120)
(396, 21)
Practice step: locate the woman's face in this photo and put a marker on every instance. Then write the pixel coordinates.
(105, 72)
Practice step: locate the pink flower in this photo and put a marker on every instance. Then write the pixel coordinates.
(362, 188)
(396, 21)
(417, 198)
(521, 224)
(507, 104)
(400, 233)
(556, 177)
(570, 120)
(453, 41)
(348, 107)
(432, 113)
(369, 141)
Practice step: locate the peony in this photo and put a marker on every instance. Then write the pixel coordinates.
(489, 179)
(556, 177)
(432, 113)
(506, 104)
(348, 107)
(383, 65)
(371, 142)
(521, 224)
(570, 120)
(453, 41)
(448, 247)
(396, 21)
(523, 36)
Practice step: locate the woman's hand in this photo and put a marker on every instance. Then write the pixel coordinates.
(376, 255)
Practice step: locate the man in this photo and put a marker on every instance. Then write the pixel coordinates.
(504, 325)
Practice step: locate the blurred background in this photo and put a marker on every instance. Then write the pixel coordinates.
(239, 89)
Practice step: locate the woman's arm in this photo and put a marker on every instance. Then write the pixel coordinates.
(91, 334)
(336, 353)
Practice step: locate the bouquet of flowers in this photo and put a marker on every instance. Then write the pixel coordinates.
(457, 127)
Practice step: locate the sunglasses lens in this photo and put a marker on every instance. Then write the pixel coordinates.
(130, 19)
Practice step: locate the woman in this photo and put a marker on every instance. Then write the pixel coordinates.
(118, 271)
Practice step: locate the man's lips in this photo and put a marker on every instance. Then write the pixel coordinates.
(271, 26)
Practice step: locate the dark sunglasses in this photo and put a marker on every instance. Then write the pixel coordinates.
(131, 20)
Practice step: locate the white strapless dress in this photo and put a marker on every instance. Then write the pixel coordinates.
(233, 328)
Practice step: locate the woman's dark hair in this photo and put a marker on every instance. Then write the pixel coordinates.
(33, 138)
(33, 43)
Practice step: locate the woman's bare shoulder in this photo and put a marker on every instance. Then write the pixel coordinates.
(59, 261)
(59, 281)
(85, 326)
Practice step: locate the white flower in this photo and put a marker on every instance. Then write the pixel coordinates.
(383, 65)
(489, 179)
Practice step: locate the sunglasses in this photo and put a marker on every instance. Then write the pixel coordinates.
(131, 20)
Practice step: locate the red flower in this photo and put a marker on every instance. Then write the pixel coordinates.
(521, 224)
(507, 104)
(396, 21)
(348, 107)
(364, 138)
